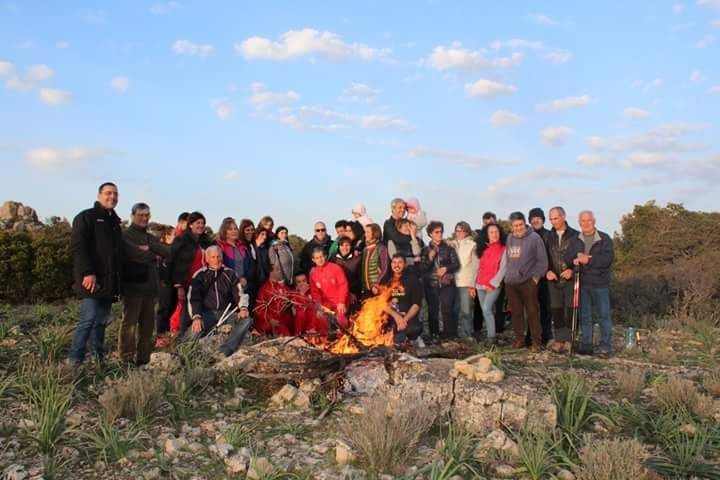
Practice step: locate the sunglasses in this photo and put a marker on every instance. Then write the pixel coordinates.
(320, 230)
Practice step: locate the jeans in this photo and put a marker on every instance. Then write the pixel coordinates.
(440, 299)
(136, 328)
(94, 317)
(487, 300)
(209, 320)
(523, 300)
(237, 335)
(465, 312)
(595, 300)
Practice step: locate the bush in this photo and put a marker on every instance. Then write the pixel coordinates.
(15, 267)
(385, 437)
(631, 383)
(138, 397)
(678, 394)
(612, 460)
(52, 269)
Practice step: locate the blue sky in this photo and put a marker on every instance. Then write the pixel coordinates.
(303, 109)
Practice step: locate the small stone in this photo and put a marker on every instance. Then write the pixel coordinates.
(15, 472)
(564, 474)
(280, 452)
(100, 466)
(343, 454)
(321, 449)
(284, 395)
(25, 424)
(236, 464)
(173, 446)
(221, 449)
(504, 471)
(301, 400)
(151, 474)
(196, 447)
(688, 429)
(259, 468)
(356, 410)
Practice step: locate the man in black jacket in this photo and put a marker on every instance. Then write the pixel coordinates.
(320, 240)
(592, 251)
(560, 278)
(140, 286)
(406, 295)
(398, 210)
(96, 244)
(536, 217)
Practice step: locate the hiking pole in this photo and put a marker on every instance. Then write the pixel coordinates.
(576, 306)
(222, 320)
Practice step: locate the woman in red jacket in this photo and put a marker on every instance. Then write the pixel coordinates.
(329, 286)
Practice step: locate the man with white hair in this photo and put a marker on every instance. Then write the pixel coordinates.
(592, 251)
(398, 210)
(214, 290)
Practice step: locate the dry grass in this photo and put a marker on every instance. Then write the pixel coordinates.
(385, 437)
(680, 394)
(711, 382)
(663, 356)
(630, 383)
(138, 397)
(612, 460)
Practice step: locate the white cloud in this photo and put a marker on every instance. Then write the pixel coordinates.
(558, 57)
(456, 57)
(488, 88)
(715, 89)
(566, 103)
(646, 159)
(231, 175)
(359, 92)
(540, 174)
(504, 118)
(299, 43)
(634, 112)
(542, 19)
(262, 97)
(678, 8)
(62, 44)
(715, 23)
(516, 43)
(164, 8)
(39, 73)
(555, 136)
(647, 85)
(222, 108)
(697, 77)
(456, 157)
(186, 47)
(595, 160)
(121, 84)
(319, 118)
(709, 3)
(664, 139)
(705, 42)
(55, 97)
(6, 69)
(57, 158)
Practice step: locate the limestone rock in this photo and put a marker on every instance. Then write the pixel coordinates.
(479, 368)
(236, 464)
(221, 449)
(259, 468)
(163, 362)
(15, 472)
(504, 471)
(173, 446)
(290, 395)
(343, 453)
(563, 474)
(496, 440)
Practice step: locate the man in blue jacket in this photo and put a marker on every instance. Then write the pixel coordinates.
(592, 251)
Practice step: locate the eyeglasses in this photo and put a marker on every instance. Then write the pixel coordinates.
(320, 230)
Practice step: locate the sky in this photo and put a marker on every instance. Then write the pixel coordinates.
(301, 110)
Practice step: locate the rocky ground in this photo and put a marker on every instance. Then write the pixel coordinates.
(190, 414)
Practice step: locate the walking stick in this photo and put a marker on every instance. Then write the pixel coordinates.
(576, 305)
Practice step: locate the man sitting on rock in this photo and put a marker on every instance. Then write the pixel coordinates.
(405, 301)
(215, 288)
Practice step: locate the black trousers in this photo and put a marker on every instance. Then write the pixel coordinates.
(167, 300)
(441, 300)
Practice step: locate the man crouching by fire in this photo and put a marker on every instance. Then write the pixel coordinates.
(405, 301)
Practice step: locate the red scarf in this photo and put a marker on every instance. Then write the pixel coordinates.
(489, 264)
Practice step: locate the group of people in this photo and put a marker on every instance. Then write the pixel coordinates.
(181, 283)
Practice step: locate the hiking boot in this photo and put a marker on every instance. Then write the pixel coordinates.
(557, 347)
(535, 349)
(419, 343)
(519, 343)
(584, 350)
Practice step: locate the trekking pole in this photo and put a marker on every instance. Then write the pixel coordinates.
(576, 306)
(222, 320)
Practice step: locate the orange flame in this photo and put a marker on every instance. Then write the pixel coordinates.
(368, 326)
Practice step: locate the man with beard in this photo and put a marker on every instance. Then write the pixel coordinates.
(405, 301)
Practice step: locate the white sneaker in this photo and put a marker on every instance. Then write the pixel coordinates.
(419, 343)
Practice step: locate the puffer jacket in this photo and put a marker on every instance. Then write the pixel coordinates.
(213, 290)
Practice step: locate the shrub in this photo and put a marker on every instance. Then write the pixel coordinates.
(711, 382)
(572, 396)
(385, 437)
(138, 397)
(536, 453)
(15, 267)
(110, 443)
(631, 383)
(612, 459)
(52, 269)
(678, 394)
